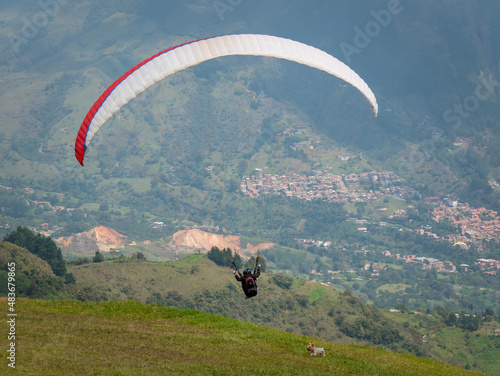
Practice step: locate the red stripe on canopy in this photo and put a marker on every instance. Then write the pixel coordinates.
(84, 127)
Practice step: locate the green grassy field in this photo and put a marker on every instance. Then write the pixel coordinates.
(306, 308)
(479, 349)
(129, 338)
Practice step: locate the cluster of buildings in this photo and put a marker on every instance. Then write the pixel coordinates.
(400, 192)
(457, 240)
(475, 224)
(489, 266)
(429, 262)
(370, 186)
(46, 204)
(317, 243)
(41, 204)
(157, 224)
(494, 184)
(369, 179)
(328, 187)
(47, 230)
(320, 186)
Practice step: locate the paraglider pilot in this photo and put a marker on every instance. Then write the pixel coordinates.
(248, 280)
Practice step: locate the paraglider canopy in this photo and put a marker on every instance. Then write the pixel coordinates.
(175, 59)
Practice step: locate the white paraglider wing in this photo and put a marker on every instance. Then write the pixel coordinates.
(177, 58)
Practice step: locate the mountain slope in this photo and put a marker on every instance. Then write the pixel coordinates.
(130, 338)
(299, 307)
(198, 239)
(97, 239)
(33, 276)
(105, 240)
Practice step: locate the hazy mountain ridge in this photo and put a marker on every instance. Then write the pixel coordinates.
(415, 100)
(178, 152)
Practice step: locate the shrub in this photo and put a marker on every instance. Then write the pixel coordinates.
(283, 281)
(302, 299)
(98, 257)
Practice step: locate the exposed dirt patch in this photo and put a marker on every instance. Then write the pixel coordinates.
(102, 239)
(201, 240)
(204, 240)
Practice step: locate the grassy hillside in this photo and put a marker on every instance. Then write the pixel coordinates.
(478, 350)
(34, 276)
(130, 338)
(304, 308)
(295, 306)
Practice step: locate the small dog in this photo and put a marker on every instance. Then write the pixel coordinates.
(315, 350)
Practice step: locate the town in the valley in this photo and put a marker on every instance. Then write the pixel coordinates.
(474, 224)
(326, 186)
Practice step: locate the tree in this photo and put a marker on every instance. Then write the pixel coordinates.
(451, 319)
(402, 307)
(224, 257)
(242, 166)
(360, 208)
(69, 279)
(40, 245)
(283, 281)
(489, 315)
(104, 207)
(250, 264)
(98, 257)
(233, 185)
(138, 256)
(216, 256)
(302, 299)
(469, 322)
